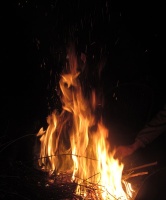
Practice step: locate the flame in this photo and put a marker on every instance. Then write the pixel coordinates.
(75, 142)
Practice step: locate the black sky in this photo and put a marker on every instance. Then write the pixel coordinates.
(34, 35)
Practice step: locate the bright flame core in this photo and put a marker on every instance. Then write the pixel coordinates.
(70, 144)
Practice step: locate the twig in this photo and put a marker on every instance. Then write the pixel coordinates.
(9, 143)
(6, 176)
(15, 194)
(67, 154)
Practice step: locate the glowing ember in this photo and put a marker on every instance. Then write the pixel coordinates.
(71, 145)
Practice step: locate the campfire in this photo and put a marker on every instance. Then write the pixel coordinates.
(74, 148)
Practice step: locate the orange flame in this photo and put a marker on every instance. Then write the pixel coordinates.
(70, 143)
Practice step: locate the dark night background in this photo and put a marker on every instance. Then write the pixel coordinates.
(129, 36)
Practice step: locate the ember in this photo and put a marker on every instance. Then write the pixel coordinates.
(74, 152)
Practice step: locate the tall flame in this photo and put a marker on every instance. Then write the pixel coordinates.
(74, 142)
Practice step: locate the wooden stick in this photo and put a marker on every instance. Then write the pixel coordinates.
(142, 166)
(134, 175)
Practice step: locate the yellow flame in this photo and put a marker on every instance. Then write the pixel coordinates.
(74, 141)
